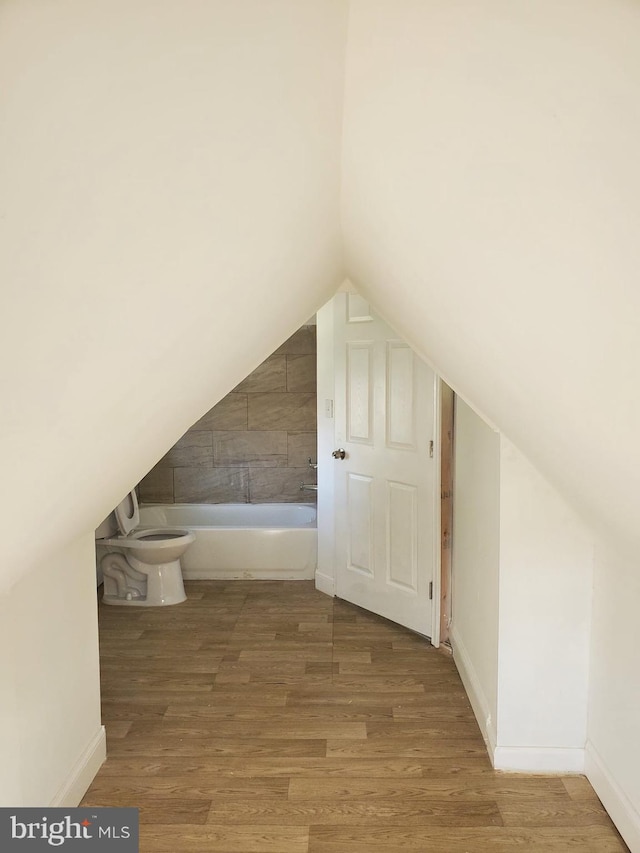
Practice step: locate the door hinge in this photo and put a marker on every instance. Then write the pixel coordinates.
(431, 449)
(430, 590)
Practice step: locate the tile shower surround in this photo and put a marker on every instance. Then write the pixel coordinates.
(254, 445)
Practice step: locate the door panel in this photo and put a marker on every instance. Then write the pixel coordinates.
(360, 523)
(399, 402)
(384, 414)
(359, 391)
(402, 519)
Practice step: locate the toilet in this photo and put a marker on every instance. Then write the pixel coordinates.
(141, 568)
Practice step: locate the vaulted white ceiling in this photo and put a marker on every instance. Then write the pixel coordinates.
(182, 184)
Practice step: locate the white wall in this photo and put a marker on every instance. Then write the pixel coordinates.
(476, 563)
(10, 778)
(546, 575)
(169, 205)
(522, 592)
(613, 747)
(52, 739)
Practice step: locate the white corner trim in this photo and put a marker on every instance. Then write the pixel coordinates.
(622, 811)
(539, 759)
(475, 692)
(326, 584)
(82, 773)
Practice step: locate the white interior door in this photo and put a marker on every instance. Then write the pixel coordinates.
(384, 486)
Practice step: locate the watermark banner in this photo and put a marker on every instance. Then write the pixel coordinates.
(70, 830)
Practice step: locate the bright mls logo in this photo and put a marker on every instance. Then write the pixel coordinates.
(34, 830)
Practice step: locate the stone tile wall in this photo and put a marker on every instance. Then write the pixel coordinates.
(254, 445)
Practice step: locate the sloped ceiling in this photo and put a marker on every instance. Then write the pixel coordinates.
(170, 188)
(491, 204)
(169, 205)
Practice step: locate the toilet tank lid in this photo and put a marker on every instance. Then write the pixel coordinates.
(128, 514)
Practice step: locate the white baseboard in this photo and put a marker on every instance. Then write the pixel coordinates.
(524, 759)
(475, 692)
(622, 811)
(82, 773)
(247, 574)
(534, 759)
(326, 584)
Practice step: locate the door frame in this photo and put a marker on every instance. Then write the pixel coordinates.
(446, 423)
(436, 591)
(325, 577)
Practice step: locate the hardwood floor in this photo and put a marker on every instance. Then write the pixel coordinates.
(265, 717)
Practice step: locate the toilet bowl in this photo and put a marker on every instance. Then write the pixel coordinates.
(141, 568)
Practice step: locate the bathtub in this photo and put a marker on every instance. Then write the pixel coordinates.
(266, 541)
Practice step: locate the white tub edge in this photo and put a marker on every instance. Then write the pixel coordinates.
(246, 553)
(247, 575)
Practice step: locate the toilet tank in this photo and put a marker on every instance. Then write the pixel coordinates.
(106, 530)
(108, 527)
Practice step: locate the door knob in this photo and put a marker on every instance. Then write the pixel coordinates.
(339, 453)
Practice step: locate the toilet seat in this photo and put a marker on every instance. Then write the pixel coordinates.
(150, 536)
(128, 514)
(128, 518)
(155, 535)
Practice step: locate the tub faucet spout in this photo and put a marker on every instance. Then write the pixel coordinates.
(308, 487)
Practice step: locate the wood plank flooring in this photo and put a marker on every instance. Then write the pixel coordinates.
(265, 717)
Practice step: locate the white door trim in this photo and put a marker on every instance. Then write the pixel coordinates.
(326, 570)
(437, 514)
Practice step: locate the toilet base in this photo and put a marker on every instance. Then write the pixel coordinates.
(138, 602)
(130, 583)
(123, 602)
